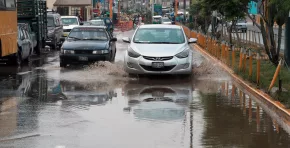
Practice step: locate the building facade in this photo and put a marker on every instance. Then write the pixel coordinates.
(74, 8)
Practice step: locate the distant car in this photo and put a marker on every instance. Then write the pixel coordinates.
(98, 22)
(107, 21)
(159, 49)
(69, 22)
(241, 25)
(32, 35)
(55, 30)
(25, 47)
(166, 21)
(157, 19)
(86, 44)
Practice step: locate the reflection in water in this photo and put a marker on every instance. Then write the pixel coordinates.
(80, 96)
(236, 120)
(168, 114)
(159, 101)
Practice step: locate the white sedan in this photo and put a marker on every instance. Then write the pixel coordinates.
(159, 49)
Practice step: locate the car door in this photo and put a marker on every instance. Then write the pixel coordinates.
(58, 28)
(25, 44)
(112, 43)
(21, 42)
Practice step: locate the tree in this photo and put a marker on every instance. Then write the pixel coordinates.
(276, 11)
(201, 16)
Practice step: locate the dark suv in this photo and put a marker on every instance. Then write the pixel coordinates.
(55, 30)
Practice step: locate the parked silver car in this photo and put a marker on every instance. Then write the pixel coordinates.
(159, 49)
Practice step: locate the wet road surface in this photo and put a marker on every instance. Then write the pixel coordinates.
(44, 106)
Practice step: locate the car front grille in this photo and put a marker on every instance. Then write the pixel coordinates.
(158, 58)
(66, 30)
(83, 51)
(150, 68)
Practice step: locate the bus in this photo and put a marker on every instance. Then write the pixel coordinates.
(8, 29)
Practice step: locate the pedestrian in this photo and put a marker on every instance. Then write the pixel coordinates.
(254, 20)
(140, 19)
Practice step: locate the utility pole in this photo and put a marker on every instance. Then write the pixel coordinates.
(184, 11)
(152, 9)
(175, 8)
(287, 44)
(111, 9)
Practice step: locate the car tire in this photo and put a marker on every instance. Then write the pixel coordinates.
(38, 48)
(54, 46)
(17, 59)
(112, 57)
(62, 64)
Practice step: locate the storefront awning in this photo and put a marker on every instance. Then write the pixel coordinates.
(73, 3)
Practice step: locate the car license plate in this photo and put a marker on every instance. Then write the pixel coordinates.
(83, 58)
(157, 64)
(158, 94)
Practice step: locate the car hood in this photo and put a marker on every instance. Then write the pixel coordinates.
(70, 26)
(85, 45)
(158, 50)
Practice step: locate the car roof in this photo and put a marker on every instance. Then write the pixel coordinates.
(69, 17)
(103, 27)
(99, 20)
(160, 26)
(157, 16)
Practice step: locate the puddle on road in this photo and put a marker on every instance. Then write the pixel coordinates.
(99, 106)
(177, 113)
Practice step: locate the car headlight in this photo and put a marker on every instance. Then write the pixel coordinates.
(100, 51)
(183, 54)
(68, 51)
(133, 53)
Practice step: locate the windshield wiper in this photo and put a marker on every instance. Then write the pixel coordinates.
(75, 38)
(164, 43)
(96, 39)
(142, 42)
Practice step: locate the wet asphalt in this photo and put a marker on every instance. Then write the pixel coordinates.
(44, 106)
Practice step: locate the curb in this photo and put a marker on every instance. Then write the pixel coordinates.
(276, 106)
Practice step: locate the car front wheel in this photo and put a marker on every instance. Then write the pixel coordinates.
(62, 64)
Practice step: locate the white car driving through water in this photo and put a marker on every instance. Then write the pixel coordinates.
(159, 49)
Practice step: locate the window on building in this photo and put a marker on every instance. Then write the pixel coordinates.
(63, 11)
(10, 3)
(2, 4)
(75, 11)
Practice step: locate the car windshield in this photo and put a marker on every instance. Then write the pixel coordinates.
(69, 21)
(159, 36)
(166, 20)
(50, 22)
(241, 21)
(88, 34)
(98, 22)
(156, 19)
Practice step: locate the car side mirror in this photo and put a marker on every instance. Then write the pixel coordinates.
(114, 39)
(126, 39)
(192, 40)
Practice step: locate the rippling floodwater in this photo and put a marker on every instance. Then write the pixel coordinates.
(100, 106)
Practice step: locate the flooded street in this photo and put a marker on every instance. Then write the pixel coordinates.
(45, 106)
